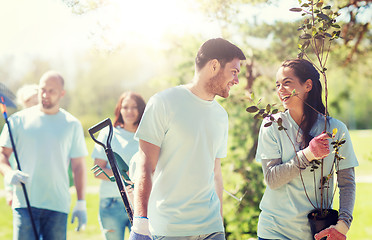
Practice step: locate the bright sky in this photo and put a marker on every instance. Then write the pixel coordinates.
(48, 29)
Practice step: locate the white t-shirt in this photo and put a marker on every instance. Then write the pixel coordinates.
(45, 145)
(191, 133)
(122, 143)
(284, 210)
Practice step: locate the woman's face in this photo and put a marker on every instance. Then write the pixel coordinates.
(286, 82)
(129, 111)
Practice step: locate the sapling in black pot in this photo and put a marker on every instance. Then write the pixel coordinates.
(318, 32)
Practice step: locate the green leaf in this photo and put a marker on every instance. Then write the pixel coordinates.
(268, 124)
(280, 121)
(258, 116)
(305, 36)
(319, 36)
(323, 16)
(268, 108)
(306, 44)
(295, 9)
(252, 109)
(336, 26)
(300, 28)
(275, 111)
(327, 7)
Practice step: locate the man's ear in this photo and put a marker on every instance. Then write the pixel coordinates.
(308, 85)
(63, 92)
(214, 66)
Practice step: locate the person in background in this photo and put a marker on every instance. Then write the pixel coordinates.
(47, 139)
(112, 214)
(26, 97)
(182, 137)
(284, 206)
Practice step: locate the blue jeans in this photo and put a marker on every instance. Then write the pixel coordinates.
(113, 218)
(50, 225)
(211, 236)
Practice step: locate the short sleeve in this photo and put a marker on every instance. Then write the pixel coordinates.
(268, 147)
(98, 150)
(78, 146)
(346, 150)
(153, 125)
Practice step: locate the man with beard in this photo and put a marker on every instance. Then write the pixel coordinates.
(47, 138)
(182, 136)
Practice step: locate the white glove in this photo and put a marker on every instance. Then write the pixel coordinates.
(16, 177)
(341, 227)
(140, 229)
(80, 212)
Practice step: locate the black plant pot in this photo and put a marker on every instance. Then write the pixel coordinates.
(319, 223)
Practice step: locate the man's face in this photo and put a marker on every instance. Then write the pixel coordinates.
(226, 77)
(50, 92)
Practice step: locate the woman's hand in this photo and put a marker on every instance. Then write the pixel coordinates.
(318, 147)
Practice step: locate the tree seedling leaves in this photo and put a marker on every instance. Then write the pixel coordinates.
(280, 121)
(268, 124)
(305, 36)
(334, 132)
(295, 9)
(258, 116)
(268, 108)
(323, 16)
(306, 44)
(252, 109)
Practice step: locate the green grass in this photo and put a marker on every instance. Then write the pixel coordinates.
(361, 228)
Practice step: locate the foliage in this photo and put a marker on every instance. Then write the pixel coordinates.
(242, 175)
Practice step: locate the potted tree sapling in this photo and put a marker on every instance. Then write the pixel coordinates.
(317, 33)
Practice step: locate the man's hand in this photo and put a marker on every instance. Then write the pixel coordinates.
(318, 147)
(334, 232)
(140, 229)
(80, 212)
(16, 177)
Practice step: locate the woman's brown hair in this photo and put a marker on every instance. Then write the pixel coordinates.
(118, 120)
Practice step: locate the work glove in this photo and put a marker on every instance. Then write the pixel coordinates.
(80, 212)
(318, 148)
(140, 229)
(334, 232)
(16, 177)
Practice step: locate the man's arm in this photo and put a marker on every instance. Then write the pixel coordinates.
(218, 181)
(4, 159)
(80, 176)
(148, 158)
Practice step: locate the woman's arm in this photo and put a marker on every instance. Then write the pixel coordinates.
(277, 173)
(347, 186)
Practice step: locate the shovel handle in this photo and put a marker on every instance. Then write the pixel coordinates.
(99, 126)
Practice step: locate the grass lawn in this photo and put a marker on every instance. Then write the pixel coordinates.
(361, 227)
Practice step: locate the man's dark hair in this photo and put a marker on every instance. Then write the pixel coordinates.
(220, 49)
